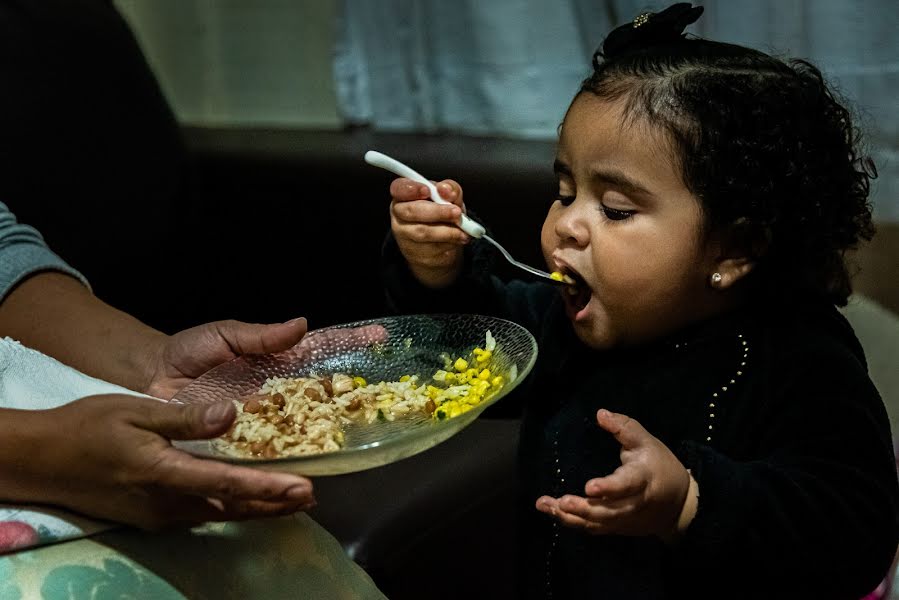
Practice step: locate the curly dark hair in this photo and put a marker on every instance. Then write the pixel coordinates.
(767, 148)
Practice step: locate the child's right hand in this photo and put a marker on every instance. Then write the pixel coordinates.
(427, 232)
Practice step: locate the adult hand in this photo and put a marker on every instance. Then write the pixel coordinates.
(179, 359)
(109, 457)
(644, 496)
(427, 232)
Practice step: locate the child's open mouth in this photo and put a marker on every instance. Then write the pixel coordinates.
(576, 296)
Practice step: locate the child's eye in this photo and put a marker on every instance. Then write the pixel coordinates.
(615, 214)
(565, 200)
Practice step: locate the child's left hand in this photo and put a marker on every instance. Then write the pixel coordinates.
(644, 496)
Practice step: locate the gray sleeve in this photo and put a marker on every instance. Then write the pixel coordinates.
(23, 252)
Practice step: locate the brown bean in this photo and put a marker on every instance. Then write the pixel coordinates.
(291, 391)
(313, 394)
(355, 404)
(276, 420)
(430, 407)
(326, 384)
(270, 451)
(252, 406)
(257, 447)
(289, 420)
(278, 400)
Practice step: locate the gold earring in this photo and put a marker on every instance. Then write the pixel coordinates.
(716, 278)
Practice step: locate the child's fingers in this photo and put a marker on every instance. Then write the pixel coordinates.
(425, 211)
(591, 509)
(451, 191)
(427, 233)
(405, 190)
(624, 482)
(552, 507)
(629, 432)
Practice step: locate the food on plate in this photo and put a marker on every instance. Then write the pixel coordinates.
(297, 416)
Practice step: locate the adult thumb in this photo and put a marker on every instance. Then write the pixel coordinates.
(192, 421)
(626, 430)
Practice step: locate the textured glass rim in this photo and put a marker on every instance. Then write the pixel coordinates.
(414, 434)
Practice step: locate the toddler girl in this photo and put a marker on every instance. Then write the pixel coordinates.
(700, 422)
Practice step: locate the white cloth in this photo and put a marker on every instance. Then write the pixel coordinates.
(30, 380)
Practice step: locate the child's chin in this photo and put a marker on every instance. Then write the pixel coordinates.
(586, 331)
(592, 340)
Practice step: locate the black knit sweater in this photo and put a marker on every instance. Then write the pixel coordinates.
(772, 410)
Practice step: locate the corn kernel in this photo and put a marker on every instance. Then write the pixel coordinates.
(471, 373)
(449, 377)
(497, 381)
(557, 276)
(461, 364)
(405, 378)
(484, 356)
(485, 374)
(359, 381)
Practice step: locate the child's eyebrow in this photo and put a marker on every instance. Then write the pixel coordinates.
(610, 177)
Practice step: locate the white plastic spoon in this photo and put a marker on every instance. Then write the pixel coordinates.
(468, 225)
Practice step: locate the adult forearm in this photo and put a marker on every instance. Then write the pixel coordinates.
(25, 441)
(57, 315)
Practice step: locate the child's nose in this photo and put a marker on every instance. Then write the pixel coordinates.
(571, 227)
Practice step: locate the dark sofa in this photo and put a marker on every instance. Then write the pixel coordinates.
(303, 206)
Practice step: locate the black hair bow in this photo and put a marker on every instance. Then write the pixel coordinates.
(649, 29)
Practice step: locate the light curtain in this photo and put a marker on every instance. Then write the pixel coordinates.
(510, 67)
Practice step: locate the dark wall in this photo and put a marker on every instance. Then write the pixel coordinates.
(278, 224)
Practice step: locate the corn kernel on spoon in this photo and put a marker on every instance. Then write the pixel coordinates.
(467, 224)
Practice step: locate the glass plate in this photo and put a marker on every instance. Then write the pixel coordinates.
(378, 350)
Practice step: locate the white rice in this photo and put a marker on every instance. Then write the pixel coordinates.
(305, 425)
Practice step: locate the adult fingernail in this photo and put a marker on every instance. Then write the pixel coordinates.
(298, 492)
(218, 413)
(296, 320)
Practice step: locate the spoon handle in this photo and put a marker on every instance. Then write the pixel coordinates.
(377, 159)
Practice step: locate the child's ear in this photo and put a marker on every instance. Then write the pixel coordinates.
(736, 250)
(729, 271)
